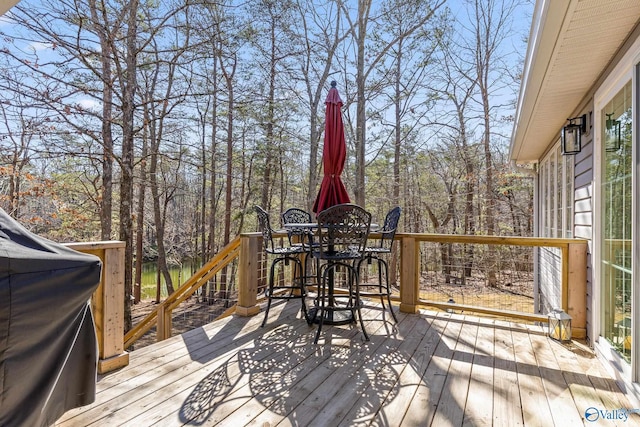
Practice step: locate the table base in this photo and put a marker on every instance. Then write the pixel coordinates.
(341, 317)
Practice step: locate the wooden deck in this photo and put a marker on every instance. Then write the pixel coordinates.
(435, 369)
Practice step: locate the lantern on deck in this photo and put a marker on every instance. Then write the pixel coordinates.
(559, 325)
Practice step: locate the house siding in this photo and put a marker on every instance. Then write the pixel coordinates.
(550, 262)
(583, 211)
(550, 279)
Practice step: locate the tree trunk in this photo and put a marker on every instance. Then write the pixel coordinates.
(159, 217)
(270, 147)
(228, 75)
(126, 182)
(106, 202)
(142, 189)
(364, 6)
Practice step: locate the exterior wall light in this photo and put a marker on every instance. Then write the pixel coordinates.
(559, 325)
(572, 135)
(612, 139)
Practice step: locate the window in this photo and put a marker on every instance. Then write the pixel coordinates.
(556, 189)
(556, 195)
(616, 216)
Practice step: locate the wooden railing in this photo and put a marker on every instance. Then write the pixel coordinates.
(107, 303)
(246, 250)
(573, 275)
(161, 316)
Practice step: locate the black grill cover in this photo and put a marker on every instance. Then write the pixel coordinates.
(48, 345)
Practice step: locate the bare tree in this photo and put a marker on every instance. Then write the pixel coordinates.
(270, 42)
(112, 87)
(22, 130)
(100, 24)
(142, 191)
(72, 68)
(490, 26)
(161, 96)
(458, 89)
(366, 64)
(128, 89)
(318, 34)
(227, 56)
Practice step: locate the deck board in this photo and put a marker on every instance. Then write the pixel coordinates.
(382, 378)
(451, 406)
(427, 396)
(558, 393)
(535, 407)
(349, 372)
(479, 405)
(333, 352)
(227, 377)
(432, 368)
(507, 409)
(398, 399)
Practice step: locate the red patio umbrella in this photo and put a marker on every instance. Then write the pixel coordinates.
(332, 190)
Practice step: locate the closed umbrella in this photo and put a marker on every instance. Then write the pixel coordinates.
(332, 190)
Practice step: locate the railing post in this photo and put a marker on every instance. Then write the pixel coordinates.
(409, 274)
(163, 331)
(248, 275)
(107, 303)
(574, 287)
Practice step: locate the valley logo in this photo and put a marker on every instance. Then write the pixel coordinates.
(594, 414)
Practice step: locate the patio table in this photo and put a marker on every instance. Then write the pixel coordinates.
(331, 318)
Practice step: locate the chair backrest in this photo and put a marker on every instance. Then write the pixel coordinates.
(344, 228)
(388, 231)
(297, 216)
(265, 228)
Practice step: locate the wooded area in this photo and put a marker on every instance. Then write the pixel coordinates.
(162, 123)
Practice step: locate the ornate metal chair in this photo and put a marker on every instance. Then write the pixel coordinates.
(298, 235)
(301, 236)
(378, 252)
(281, 254)
(342, 236)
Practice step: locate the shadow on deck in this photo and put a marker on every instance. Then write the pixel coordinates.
(432, 368)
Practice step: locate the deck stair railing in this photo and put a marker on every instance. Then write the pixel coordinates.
(161, 317)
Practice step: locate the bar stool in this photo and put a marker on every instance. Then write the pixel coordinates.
(301, 236)
(342, 236)
(378, 253)
(281, 254)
